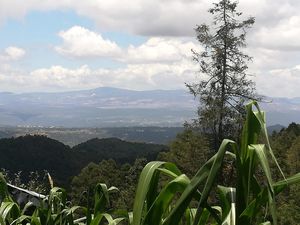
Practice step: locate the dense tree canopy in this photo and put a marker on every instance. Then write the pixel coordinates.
(189, 150)
(286, 146)
(38, 153)
(125, 177)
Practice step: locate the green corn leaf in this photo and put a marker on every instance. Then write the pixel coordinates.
(250, 133)
(254, 206)
(96, 220)
(262, 120)
(130, 218)
(182, 204)
(112, 221)
(223, 193)
(266, 223)
(163, 200)
(21, 220)
(146, 190)
(9, 211)
(101, 198)
(206, 173)
(281, 185)
(262, 157)
(212, 175)
(231, 216)
(57, 199)
(204, 217)
(260, 151)
(26, 207)
(36, 221)
(4, 195)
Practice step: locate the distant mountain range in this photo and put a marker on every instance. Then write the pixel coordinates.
(112, 107)
(101, 107)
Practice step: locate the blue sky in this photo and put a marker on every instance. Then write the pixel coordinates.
(37, 33)
(50, 45)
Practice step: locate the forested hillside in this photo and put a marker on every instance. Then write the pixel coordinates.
(286, 146)
(38, 153)
(120, 151)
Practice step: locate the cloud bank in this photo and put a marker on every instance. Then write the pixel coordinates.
(164, 60)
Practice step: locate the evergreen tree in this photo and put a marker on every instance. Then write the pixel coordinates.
(226, 87)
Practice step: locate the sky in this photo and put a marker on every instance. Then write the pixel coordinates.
(62, 45)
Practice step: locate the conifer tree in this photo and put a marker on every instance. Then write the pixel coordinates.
(226, 87)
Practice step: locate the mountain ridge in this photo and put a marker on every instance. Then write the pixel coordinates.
(38, 153)
(115, 107)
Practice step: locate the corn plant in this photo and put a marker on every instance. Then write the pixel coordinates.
(98, 214)
(242, 204)
(54, 210)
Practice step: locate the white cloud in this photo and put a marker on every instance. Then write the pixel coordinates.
(81, 42)
(158, 61)
(283, 36)
(280, 82)
(153, 17)
(145, 17)
(133, 76)
(167, 50)
(12, 53)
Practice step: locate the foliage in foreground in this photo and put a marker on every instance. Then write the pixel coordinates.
(179, 200)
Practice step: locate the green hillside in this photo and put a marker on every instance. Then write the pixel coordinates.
(38, 153)
(119, 150)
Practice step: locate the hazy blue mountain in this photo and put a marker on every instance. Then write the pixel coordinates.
(101, 107)
(275, 128)
(113, 107)
(282, 111)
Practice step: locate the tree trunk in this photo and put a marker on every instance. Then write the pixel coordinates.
(223, 94)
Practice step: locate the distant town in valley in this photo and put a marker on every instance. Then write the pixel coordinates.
(112, 107)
